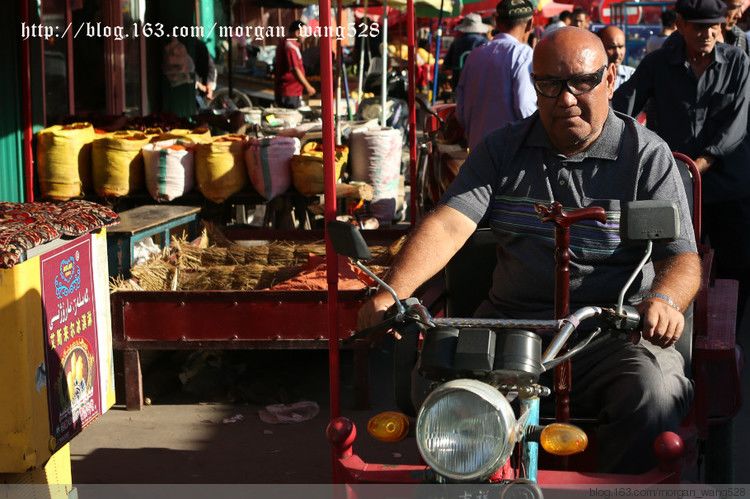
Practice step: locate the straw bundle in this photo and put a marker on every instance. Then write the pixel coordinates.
(214, 255)
(188, 256)
(302, 252)
(280, 253)
(253, 255)
(154, 275)
(246, 276)
(276, 274)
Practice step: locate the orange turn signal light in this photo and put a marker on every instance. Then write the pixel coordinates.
(389, 426)
(563, 439)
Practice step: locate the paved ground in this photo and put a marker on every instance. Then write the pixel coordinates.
(186, 442)
(179, 440)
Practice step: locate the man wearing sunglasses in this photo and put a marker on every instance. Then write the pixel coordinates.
(577, 151)
(698, 90)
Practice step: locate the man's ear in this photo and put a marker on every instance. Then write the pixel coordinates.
(680, 24)
(530, 25)
(611, 78)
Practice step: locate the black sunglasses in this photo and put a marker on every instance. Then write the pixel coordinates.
(576, 85)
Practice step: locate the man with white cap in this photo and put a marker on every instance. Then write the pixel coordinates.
(495, 87)
(473, 34)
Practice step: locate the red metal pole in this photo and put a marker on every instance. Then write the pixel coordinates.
(410, 40)
(326, 94)
(70, 63)
(329, 177)
(28, 158)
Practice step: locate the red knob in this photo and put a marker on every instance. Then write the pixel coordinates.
(341, 432)
(669, 449)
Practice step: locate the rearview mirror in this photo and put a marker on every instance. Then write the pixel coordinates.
(650, 220)
(348, 241)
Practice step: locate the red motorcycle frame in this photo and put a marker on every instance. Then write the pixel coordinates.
(714, 356)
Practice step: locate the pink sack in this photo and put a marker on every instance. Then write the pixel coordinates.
(268, 163)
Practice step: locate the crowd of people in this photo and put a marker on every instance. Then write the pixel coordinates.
(556, 122)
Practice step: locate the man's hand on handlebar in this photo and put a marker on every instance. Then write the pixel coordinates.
(662, 324)
(372, 312)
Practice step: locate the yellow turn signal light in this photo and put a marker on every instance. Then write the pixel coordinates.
(563, 439)
(388, 426)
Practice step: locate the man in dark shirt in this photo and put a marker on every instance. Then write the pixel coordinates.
(733, 35)
(473, 33)
(699, 106)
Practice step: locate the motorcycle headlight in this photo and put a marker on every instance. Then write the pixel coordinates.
(466, 430)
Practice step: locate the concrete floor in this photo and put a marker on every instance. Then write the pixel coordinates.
(178, 440)
(188, 442)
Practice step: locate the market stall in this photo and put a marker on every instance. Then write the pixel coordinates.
(55, 299)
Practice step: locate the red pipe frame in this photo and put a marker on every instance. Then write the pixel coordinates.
(28, 159)
(411, 60)
(326, 94)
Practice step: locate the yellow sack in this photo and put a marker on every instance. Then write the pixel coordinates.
(220, 167)
(153, 134)
(64, 160)
(307, 168)
(197, 135)
(117, 163)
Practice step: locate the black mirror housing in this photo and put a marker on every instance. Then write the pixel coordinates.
(348, 241)
(650, 220)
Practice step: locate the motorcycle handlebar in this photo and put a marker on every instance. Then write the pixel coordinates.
(366, 333)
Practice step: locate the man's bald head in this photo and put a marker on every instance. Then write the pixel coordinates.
(566, 46)
(574, 83)
(613, 39)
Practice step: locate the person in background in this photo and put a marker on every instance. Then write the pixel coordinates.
(472, 34)
(564, 19)
(733, 34)
(613, 39)
(580, 18)
(205, 74)
(290, 81)
(495, 86)
(668, 26)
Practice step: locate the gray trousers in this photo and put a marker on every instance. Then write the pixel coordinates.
(635, 392)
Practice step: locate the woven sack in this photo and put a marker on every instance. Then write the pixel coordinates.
(376, 159)
(64, 160)
(196, 135)
(117, 163)
(220, 167)
(307, 168)
(169, 167)
(269, 164)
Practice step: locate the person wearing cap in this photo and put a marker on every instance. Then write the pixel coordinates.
(495, 86)
(290, 81)
(579, 152)
(732, 33)
(698, 90)
(613, 39)
(473, 34)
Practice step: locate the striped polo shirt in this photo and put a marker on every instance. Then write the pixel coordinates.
(516, 167)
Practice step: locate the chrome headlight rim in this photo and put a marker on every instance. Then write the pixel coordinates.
(494, 398)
